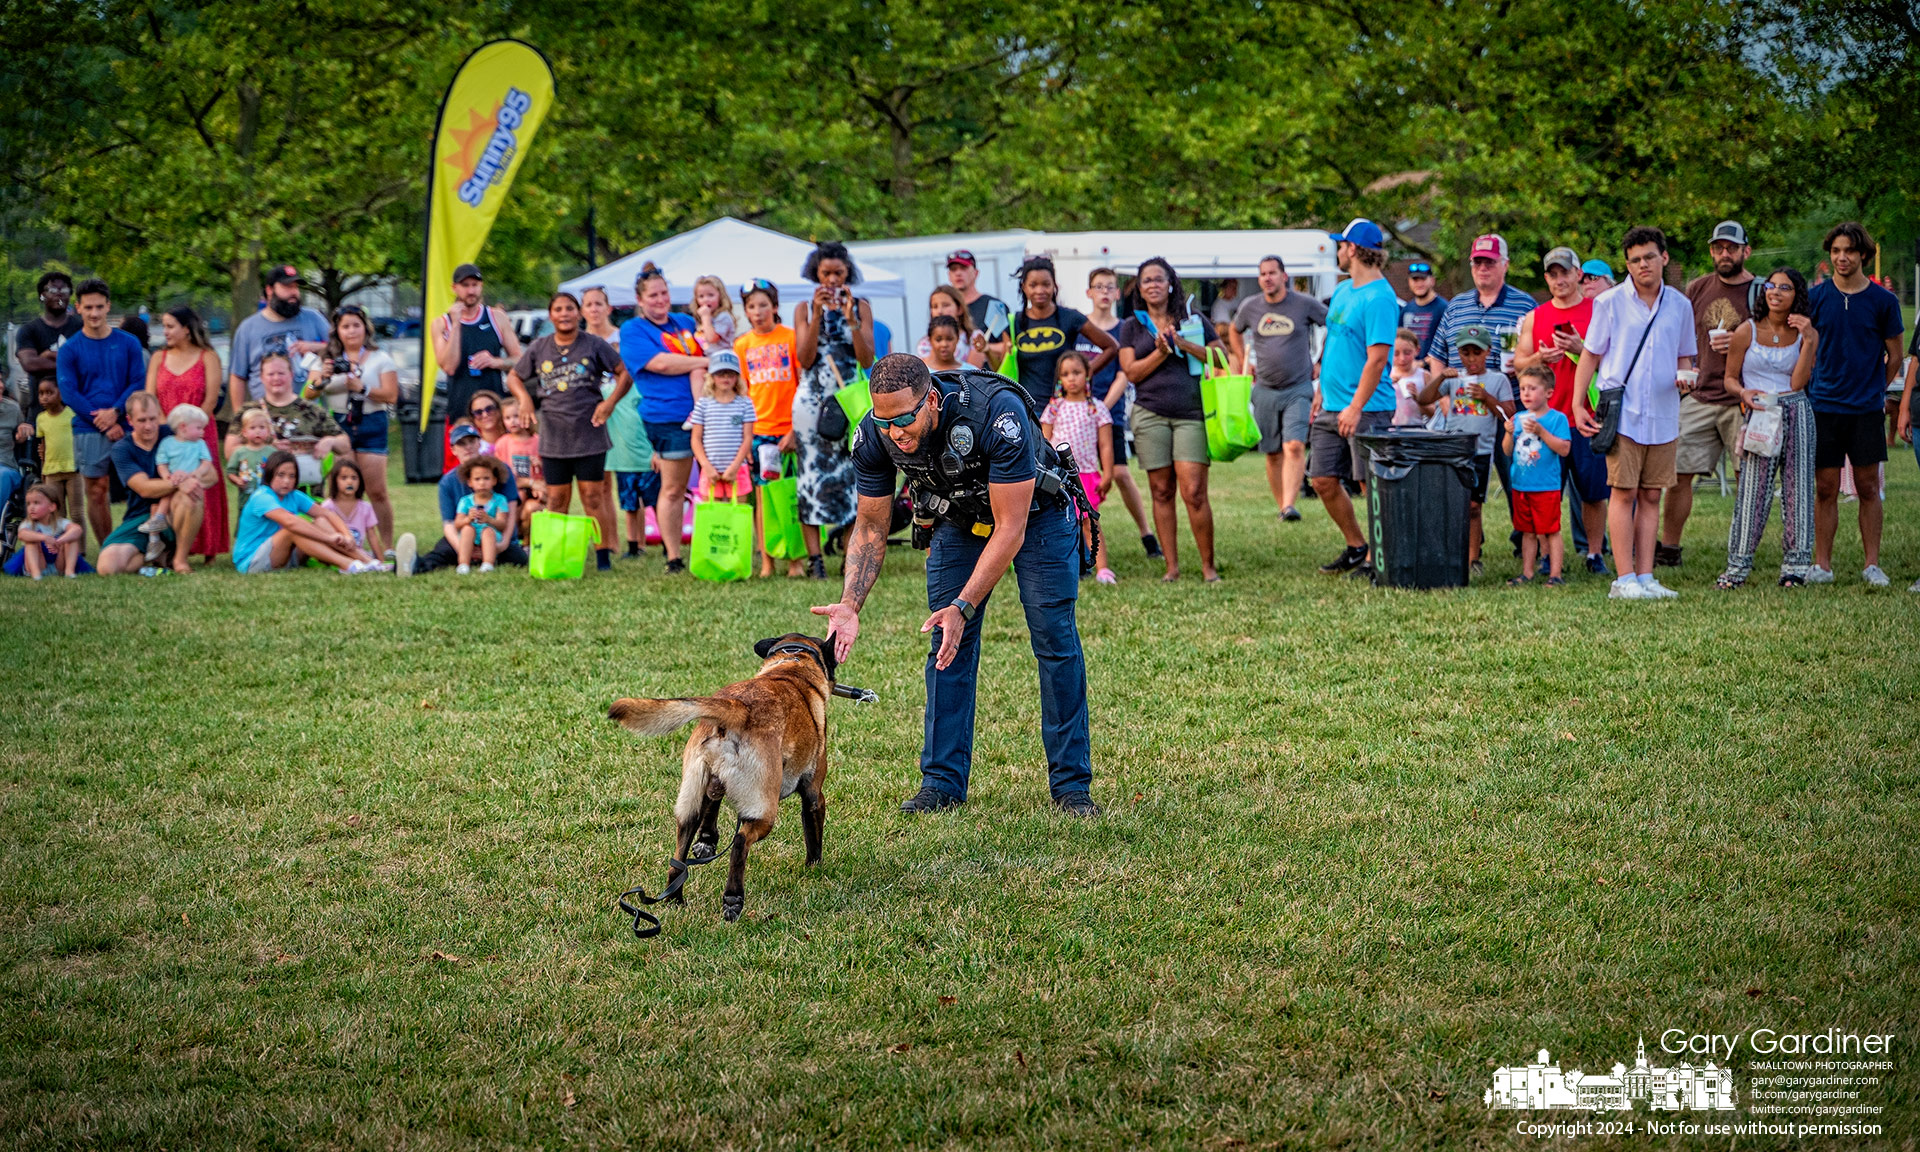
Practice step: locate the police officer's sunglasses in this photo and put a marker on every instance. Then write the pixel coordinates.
(905, 420)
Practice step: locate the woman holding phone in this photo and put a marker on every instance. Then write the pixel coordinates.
(833, 341)
(1169, 427)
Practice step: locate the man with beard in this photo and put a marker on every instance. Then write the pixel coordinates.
(283, 327)
(38, 347)
(1709, 415)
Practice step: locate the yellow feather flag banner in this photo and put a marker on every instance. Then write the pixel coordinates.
(493, 107)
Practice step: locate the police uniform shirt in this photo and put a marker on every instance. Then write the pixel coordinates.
(1010, 442)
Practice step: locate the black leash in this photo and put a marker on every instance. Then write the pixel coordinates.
(676, 880)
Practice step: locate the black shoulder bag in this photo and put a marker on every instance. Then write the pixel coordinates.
(1613, 400)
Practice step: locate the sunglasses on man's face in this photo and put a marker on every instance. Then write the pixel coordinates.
(906, 420)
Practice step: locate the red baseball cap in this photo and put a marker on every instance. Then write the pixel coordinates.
(962, 256)
(1488, 247)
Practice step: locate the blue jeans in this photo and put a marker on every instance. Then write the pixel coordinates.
(10, 479)
(1048, 569)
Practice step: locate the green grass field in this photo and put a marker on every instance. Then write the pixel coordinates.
(309, 861)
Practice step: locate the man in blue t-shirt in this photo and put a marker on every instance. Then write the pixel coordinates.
(444, 554)
(1362, 317)
(974, 469)
(97, 369)
(1853, 366)
(133, 457)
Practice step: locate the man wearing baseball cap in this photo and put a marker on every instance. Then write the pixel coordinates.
(281, 326)
(1423, 314)
(1495, 305)
(466, 442)
(963, 272)
(474, 344)
(1709, 415)
(1362, 317)
(1553, 335)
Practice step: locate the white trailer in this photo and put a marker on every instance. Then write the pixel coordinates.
(1196, 256)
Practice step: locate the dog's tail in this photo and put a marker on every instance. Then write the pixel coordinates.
(659, 717)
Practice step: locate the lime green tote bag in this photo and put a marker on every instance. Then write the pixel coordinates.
(722, 541)
(780, 518)
(558, 546)
(1226, 400)
(855, 399)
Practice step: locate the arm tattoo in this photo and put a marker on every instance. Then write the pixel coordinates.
(866, 551)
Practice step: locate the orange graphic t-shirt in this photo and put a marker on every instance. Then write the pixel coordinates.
(771, 363)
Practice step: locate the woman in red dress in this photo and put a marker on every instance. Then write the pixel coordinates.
(187, 371)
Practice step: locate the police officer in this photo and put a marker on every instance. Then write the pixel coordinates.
(995, 495)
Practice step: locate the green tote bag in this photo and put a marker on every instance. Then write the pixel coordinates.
(1226, 400)
(780, 518)
(722, 546)
(558, 546)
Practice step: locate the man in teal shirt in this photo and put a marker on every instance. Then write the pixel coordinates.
(1362, 318)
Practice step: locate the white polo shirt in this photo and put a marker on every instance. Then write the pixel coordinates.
(1651, 414)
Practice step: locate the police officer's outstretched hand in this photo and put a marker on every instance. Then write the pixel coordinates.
(952, 625)
(843, 624)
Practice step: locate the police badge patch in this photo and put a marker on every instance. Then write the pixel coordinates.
(962, 439)
(1007, 426)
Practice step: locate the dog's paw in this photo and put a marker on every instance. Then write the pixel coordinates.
(730, 907)
(700, 851)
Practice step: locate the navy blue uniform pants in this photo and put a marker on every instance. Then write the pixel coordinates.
(1048, 569)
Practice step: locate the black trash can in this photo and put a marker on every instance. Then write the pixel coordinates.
(421, 451)
(1419, 487)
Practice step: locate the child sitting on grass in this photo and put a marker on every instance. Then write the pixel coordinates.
(1087, 427)
(48, 539)
(1537, 438)
(256, 444)
(273, 534)
(1475, 401)
(481, 516)
(183, 450)
(344, 485)
(520, 449)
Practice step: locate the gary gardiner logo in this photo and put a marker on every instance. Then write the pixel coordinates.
(1542, 1085)
(487, 146)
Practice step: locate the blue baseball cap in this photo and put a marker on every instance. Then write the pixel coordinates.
(1597, 268)
(725, 360)
(1361, 233)
(461, 431)
(1419, 268)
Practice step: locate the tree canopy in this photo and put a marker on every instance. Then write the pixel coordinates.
(177, 145)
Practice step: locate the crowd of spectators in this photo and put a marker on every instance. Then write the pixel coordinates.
(1621, 395)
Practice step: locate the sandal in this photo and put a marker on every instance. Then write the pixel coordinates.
(1519, 582)
(1727, 583)
(1556, 581)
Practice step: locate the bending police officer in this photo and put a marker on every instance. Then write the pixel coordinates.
(995, 496)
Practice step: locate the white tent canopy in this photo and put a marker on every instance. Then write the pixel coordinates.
(735, 251)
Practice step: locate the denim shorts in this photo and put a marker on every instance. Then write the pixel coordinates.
(369, 433)
(670, 441)
(637, 489)
(92, 453)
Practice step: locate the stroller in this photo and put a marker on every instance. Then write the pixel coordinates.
(15, 513)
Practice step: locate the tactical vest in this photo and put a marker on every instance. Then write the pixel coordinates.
(951, 483)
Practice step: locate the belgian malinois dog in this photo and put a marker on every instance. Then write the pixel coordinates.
(756, 743)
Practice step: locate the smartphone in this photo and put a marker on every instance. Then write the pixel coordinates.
(1565, 329)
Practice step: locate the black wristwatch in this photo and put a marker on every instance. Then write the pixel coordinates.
(966, 610)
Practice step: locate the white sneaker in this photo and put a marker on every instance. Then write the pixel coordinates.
(1874, 577)
(464, 569)
(486, 567)
(1654, 590)
(1819, 575)
(405, 551)
(157, 522)
(1626, 588)
(1914, 587)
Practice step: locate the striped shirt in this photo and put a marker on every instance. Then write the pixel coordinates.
(1502, 319)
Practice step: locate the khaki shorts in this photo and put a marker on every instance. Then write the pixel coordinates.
(1706, 430)
(1160, 440)
(1634, 465)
